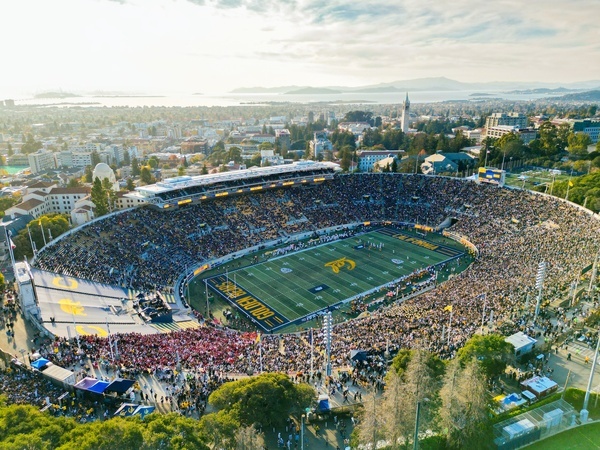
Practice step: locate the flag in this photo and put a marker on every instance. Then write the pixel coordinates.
(448, 308)
(258, 337)
(12, 244)
(571, 184)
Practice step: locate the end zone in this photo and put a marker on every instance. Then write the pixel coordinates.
(257, 311)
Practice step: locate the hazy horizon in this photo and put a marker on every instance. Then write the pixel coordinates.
(214, 46)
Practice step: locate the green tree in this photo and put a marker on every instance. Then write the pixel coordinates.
(491, 351)
(146, 175)
(74, 182)
(53, 225)
(578, 143)
(111, 195)
(88, 175)
(99, 198)
(2, 282)
(130, 184)
(126, 158)
(135, 167)
(153, 162)
(204, 170)
(95, 157)
(7, 202)
(269, 398)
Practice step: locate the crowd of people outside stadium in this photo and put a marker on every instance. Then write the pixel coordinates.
(513, 231)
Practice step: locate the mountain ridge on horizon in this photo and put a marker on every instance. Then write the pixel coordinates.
(420, 84)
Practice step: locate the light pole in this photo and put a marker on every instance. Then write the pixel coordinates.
(583, 415)
(302, 432)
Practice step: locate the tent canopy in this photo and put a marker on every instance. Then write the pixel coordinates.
(39, 363)
(99, 387)
(358, 355)
(86, 383)
(120, 385)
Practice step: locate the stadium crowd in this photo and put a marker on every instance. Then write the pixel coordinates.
(513, 231)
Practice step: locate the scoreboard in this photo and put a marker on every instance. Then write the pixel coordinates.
(491, 175)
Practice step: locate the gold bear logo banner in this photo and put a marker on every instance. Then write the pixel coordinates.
(71, 307)
(340, 263)
(97, 330)
(60, 283)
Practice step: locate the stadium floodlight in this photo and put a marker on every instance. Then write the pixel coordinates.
(539, 285)
(327, 332)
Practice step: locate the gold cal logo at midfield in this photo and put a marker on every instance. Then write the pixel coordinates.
(340, 263)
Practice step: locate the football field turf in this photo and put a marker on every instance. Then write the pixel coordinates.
(291, 287)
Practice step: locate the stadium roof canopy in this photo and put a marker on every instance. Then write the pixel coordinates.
(213, 185)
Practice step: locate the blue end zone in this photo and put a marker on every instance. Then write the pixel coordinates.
(257, 311)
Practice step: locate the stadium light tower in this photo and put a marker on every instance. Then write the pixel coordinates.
(539, 285)
(327, 332)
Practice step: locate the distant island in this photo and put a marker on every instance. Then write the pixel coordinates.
(128, 96)
(587, 96)
(480, 94)
(312, 91)
(540, 91)
(43, 95)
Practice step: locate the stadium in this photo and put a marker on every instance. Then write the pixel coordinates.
(93, 281)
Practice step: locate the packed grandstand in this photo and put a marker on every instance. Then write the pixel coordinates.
(149, 248)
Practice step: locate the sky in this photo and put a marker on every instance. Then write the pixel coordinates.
(214, 46)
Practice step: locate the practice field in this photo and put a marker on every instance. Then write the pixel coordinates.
(295, 286)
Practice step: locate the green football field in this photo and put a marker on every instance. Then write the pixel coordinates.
(304, 282)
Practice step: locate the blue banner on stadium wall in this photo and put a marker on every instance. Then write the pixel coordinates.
(253, 308)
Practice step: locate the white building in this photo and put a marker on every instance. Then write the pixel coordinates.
(513, 119)
(368, 158)
(103, 171)
(41, 161)
(527, 135)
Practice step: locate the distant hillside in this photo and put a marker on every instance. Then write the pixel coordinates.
(541, 91)
(431, 84)
(587, 96)
(312, 91)
(266, 90)
(55, 95)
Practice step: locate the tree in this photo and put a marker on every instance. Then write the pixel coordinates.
(204, 170)
(88, 175)
(269, 398)
(74, 182)
(135, 167)
(578, 143)
(492, 352)
(126, 158)
(146, 175)
(7, 202)
(9, 150)
(464, 404)
(414, 378)
(53, 225)
(111, 195)
(2, 283)
(95, 157)
(153, 162)
(130, 184)
(99, 198)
